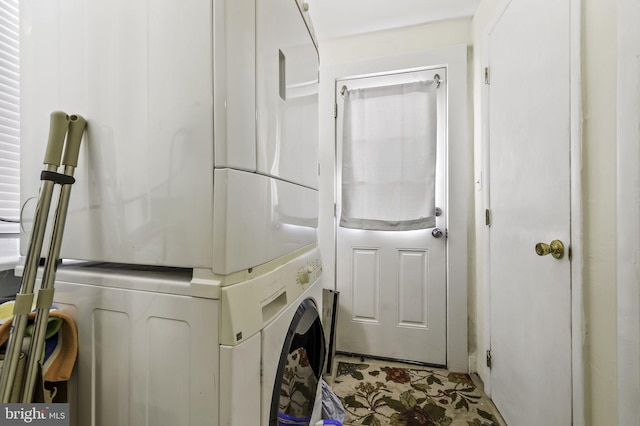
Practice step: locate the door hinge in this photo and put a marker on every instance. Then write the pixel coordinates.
(487, 217)
(335, 110)
(335, 210)
(489, 358)
(486, 75)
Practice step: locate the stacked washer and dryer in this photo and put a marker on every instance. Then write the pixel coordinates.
(196, 286)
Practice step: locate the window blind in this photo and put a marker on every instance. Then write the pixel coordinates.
(9, 117)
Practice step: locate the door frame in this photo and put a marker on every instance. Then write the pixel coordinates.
(459, 164)
(576, 216)
(628, 212)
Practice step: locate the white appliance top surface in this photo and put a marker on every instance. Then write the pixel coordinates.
(133, 277)
(261, 286)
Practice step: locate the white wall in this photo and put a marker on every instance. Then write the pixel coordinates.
(484, 15)
(395, 42)
(599, 177)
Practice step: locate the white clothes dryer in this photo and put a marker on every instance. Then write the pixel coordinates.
(160, 347)
(201, 148)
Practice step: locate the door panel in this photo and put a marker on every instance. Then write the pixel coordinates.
(393, 283)
(366, 285)
(529, 143)
(412, 285)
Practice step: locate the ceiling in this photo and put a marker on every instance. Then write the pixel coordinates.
(339, 18)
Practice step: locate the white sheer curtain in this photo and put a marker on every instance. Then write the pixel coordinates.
(389, 157)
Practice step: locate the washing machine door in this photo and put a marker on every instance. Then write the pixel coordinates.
(299, 369)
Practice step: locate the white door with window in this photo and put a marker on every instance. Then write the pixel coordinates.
(391, 215)
(529, 68)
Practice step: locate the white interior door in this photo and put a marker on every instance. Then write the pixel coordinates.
(392, 281)
(529, 143)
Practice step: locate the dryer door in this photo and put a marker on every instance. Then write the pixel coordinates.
(299, 369)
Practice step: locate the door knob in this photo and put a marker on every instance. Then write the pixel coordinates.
(437, 233)
(555, 249)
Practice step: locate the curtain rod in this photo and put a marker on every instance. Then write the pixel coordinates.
(436, 78)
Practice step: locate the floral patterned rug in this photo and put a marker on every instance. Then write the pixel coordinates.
(399, 395)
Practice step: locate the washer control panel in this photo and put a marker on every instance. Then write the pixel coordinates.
(248, 306)
(309, 272)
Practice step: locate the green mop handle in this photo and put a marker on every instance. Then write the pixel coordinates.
(57, 131)
(35, 356)
(24, 300)
(72, 147)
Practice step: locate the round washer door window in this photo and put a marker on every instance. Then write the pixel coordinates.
(299, 368)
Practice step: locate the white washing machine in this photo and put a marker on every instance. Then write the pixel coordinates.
(162, 348)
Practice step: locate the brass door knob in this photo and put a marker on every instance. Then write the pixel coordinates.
(555, 249)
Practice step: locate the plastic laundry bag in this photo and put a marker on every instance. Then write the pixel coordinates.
(287, 420)
(332, 408)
